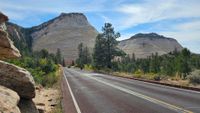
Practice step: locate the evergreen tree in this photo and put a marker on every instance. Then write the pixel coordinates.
(63, 62)
(83, 56)
(183, 63)
(58, 56)
(80, 59)
(99, 52)
(106, 47)
(86, 56)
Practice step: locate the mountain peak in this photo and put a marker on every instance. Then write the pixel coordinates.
(71, 14)
(147, 35)
(73, 18)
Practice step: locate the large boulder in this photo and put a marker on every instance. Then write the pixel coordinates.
(17, 79)
(8, 101)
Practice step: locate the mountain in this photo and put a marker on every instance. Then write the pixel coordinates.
(20, 36)
(70, 29)
(143, 45)
(65, 32)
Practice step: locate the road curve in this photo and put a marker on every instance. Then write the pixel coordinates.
(99, 93)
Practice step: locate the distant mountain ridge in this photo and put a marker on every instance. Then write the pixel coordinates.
(70, 29)
(144, 45)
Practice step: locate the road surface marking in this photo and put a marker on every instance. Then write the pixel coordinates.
(73, 98)
(153, 100)
(159, 85)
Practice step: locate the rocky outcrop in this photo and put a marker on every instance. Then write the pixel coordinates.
(17, 79)
(8, 50)
(8, 101)
(66, 32)
(16, 84)
(144, 45)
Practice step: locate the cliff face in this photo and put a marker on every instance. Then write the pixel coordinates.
(143, 45)
(16, 84)
(20, 36)
(65, 32)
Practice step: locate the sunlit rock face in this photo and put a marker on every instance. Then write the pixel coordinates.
(7, 49)
(65, 32)
(144, 45)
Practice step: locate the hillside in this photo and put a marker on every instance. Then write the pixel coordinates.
(143, 45)
(65, 32)
(70, 29)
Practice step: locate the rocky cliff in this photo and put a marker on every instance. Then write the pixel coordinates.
(17, 87)
(143, 45)
(65, 32)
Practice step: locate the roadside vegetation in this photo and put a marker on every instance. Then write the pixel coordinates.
(106, 57)
(42, 65)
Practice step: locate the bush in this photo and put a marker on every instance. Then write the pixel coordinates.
(194, 77)
(88, 67)
(138, 73)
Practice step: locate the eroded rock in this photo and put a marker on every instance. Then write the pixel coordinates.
(7, 49)
(8, 101)
(17, 79)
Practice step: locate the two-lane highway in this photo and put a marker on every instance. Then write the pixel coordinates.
(99, 93)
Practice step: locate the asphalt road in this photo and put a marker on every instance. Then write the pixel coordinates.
(99, 93)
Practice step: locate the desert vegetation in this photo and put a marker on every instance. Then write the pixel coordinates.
(42, 65)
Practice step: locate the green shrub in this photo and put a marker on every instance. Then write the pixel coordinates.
(88, 67)
(194, 77)
(138, 73)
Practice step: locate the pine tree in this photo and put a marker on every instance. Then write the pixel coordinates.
(99, 52)
(63, 62)
(83, 56)
(106, 47)
(58, 56)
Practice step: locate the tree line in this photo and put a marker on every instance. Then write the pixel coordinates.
(105, 51)
(41, 64)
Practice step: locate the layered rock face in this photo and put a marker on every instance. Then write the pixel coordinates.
(8, 50)
(16, 84)
(144, 45)
(66, 32)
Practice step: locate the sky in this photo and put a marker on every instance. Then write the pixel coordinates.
(179, 19)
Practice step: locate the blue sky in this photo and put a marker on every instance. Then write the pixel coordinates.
(179, 19)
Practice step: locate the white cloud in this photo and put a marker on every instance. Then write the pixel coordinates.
(188, 26)
(152, 11)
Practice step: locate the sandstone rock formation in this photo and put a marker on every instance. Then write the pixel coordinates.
(17, 79)
(143, 45)
(8, 101)
(15, 83)
(65, 32)
(8, 50)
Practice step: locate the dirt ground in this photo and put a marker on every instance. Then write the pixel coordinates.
(46, 100)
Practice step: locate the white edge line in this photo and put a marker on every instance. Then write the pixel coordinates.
(159, 85)
(73, 98)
